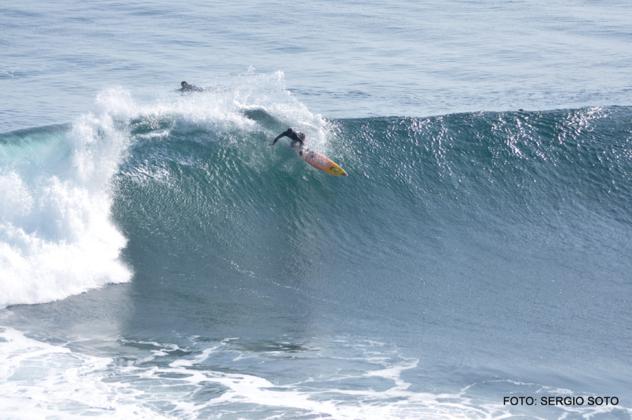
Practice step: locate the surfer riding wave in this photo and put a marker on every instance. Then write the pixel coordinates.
(316, 159)
(295, 136)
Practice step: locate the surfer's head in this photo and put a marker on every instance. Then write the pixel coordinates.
(184, 84)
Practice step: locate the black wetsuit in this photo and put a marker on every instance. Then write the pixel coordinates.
(296, 137)
(189, 88)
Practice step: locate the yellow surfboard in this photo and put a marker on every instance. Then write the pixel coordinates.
(322, 162)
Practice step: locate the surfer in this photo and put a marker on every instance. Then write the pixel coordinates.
(316, 159)
(186, 87)
(296, 137)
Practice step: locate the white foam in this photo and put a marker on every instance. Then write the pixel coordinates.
(222, 104)
(56, 233)
(40, 380)
(241, 389)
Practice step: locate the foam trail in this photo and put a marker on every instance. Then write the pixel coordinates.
(41, 380)
(56, 236)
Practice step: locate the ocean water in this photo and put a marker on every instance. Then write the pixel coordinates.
(158, 259)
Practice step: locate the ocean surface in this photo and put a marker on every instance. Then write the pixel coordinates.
(158, 259)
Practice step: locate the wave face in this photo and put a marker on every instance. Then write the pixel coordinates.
(416, 185)
(199, 176)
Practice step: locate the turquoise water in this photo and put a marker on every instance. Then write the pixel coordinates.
(158, 259)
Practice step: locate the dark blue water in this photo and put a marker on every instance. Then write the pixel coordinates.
(159, 259)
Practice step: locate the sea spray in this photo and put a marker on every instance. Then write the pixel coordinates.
(56, 233)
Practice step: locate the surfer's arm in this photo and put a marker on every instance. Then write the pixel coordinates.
(283, 134)
(277, 138)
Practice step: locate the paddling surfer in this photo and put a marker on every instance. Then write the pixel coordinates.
(186, 87)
